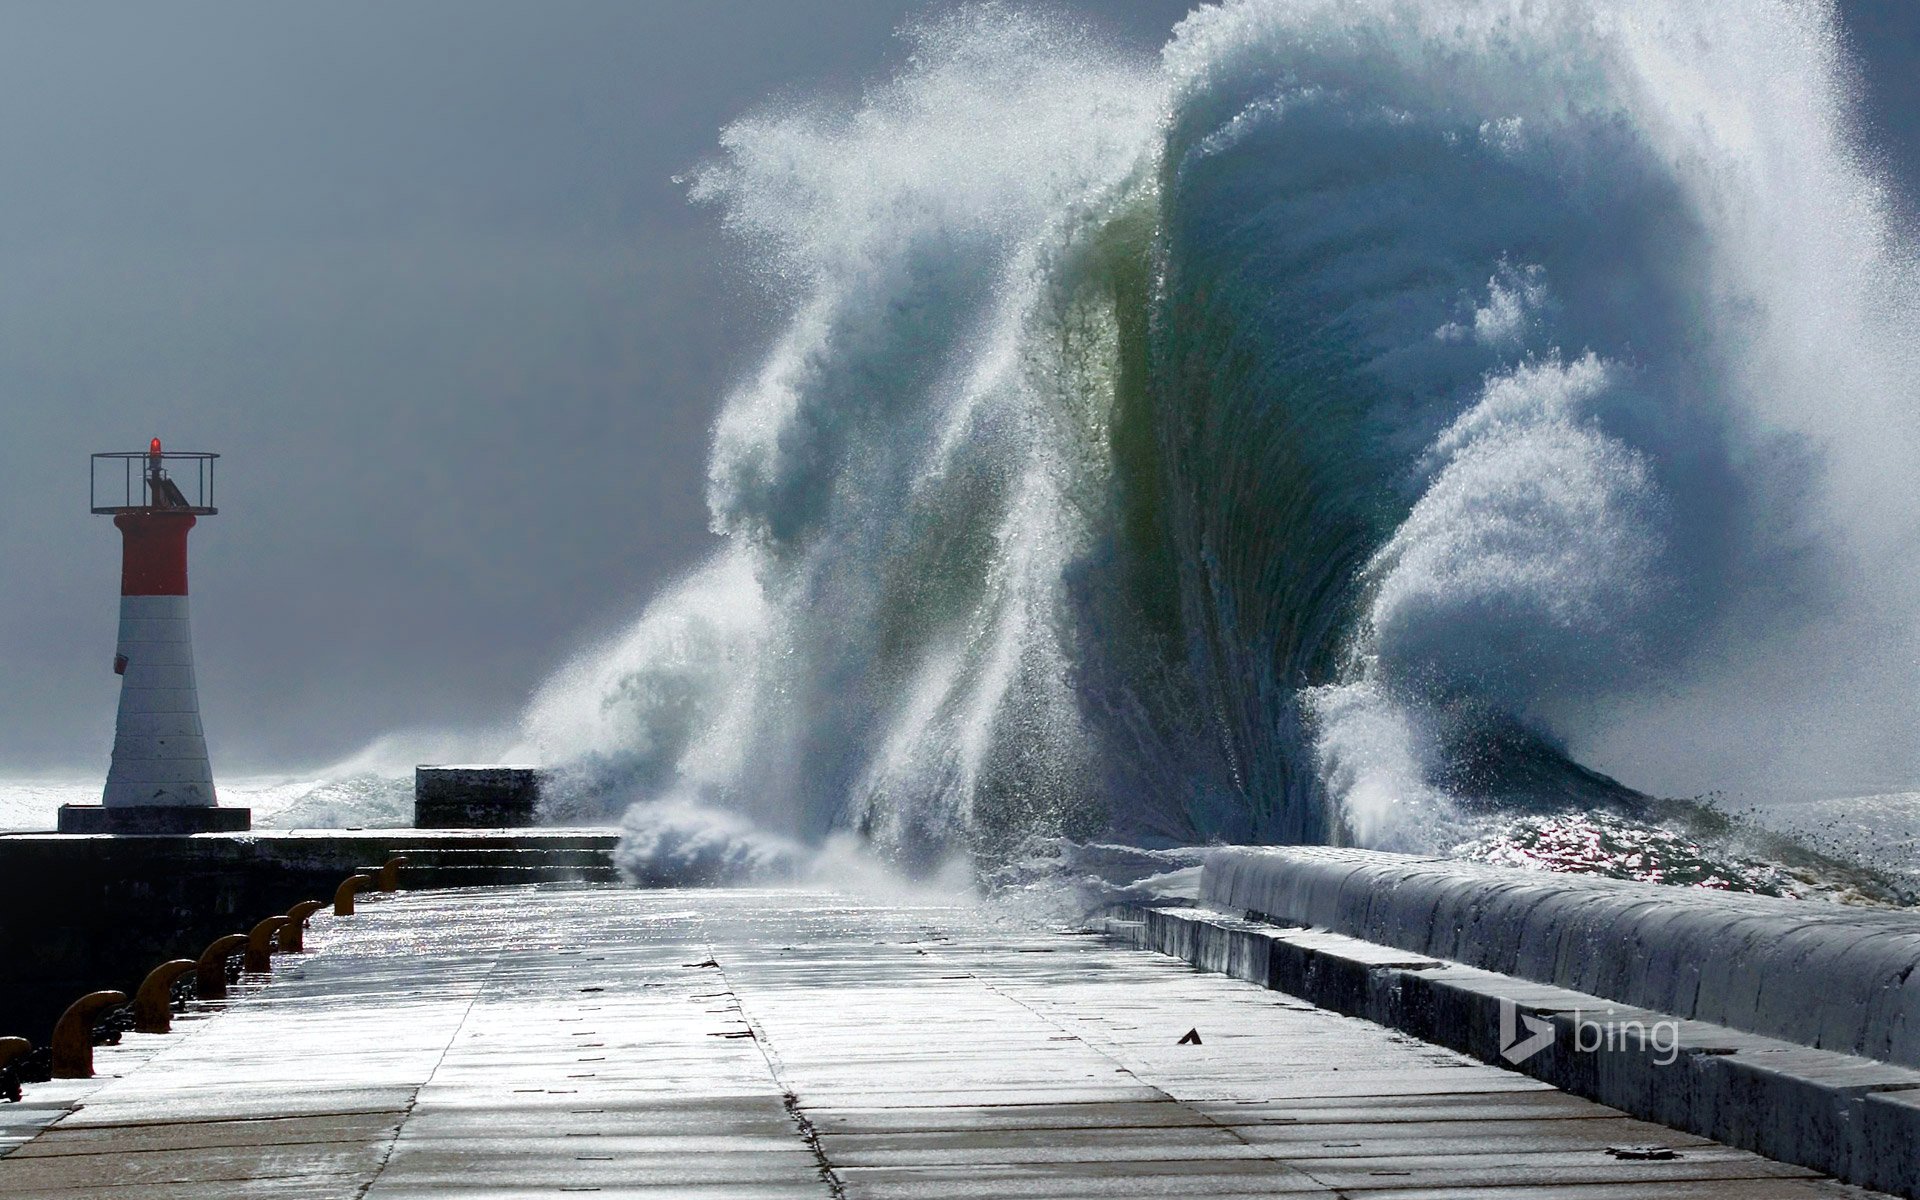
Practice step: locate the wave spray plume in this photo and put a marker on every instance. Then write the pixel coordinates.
(1370, 415)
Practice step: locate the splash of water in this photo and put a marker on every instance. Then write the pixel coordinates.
(1374, 412)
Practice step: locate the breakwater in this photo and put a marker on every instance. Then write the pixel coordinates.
(82, 913)
(1779, 1026)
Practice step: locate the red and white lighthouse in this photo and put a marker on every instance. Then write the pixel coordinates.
(160, 780)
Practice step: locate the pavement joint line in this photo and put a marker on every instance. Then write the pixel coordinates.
(829, 1174)
(499, 950)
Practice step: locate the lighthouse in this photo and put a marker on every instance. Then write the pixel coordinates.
(160, 780)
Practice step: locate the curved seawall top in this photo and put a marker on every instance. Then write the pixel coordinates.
(1821, 974)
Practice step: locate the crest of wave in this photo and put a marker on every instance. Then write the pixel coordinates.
(877, 647)
(1670, 527)
(1513, 385)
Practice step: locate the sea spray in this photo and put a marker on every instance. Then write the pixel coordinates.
(1374, 416)
(906, 480)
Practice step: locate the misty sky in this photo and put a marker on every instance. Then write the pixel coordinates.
(419, 271)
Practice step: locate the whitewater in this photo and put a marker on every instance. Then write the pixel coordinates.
(1371, 421)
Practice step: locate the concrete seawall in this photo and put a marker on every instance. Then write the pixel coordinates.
(1828, 976)
(1778, 1026)
(79, 913)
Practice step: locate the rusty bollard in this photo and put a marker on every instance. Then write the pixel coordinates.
(211, 983)
(343, 898)
(153, 1003)
(388, 877)
(260, 945)
(73, 1034)
(11, 1048)
(293, 935)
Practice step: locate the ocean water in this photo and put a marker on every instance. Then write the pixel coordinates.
(1423, 425)
(316, 800)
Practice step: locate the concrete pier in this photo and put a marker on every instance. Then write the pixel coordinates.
(557, 1039)
(90, 912)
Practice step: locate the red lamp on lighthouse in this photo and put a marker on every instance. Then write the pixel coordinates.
(160, 780)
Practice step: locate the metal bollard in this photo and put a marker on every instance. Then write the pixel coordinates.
(73, 1034)
(212, 981)
(260, 945)
(153, 1003)
(11, 1048)
(343, 898)
(388, 877)
(293, 935)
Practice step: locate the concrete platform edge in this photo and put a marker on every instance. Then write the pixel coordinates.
(1836, 977)
(154, 819)
(1853, 1118)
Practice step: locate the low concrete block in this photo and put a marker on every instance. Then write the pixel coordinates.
(1891, 1131)
(475, 797)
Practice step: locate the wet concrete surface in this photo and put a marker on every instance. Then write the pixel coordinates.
(555, 1040)
(88, 912)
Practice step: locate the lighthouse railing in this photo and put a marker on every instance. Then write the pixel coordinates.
(118, 480)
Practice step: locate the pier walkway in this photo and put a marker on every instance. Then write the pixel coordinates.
(740, 1045)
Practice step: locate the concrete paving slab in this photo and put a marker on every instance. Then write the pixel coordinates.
(43, 1105)
(1558, 1168)
(1004, 1147)
(1361, 1139)
(290, 1187)
(1156, 1114)
(1537, 1104)
(541, 1041)
(205, 1135)
(47, 1175)
(1080, 1181)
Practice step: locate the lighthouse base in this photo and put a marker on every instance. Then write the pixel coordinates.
(153, 818)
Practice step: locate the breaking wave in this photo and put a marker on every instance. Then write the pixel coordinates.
(1370, 414)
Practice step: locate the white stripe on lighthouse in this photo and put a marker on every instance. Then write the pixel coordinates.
(159, 750)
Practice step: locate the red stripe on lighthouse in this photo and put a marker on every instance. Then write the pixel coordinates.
(153, 553)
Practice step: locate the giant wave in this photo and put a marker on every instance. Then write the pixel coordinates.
(1368, 416)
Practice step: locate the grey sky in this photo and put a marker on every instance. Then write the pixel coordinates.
(419, 271)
